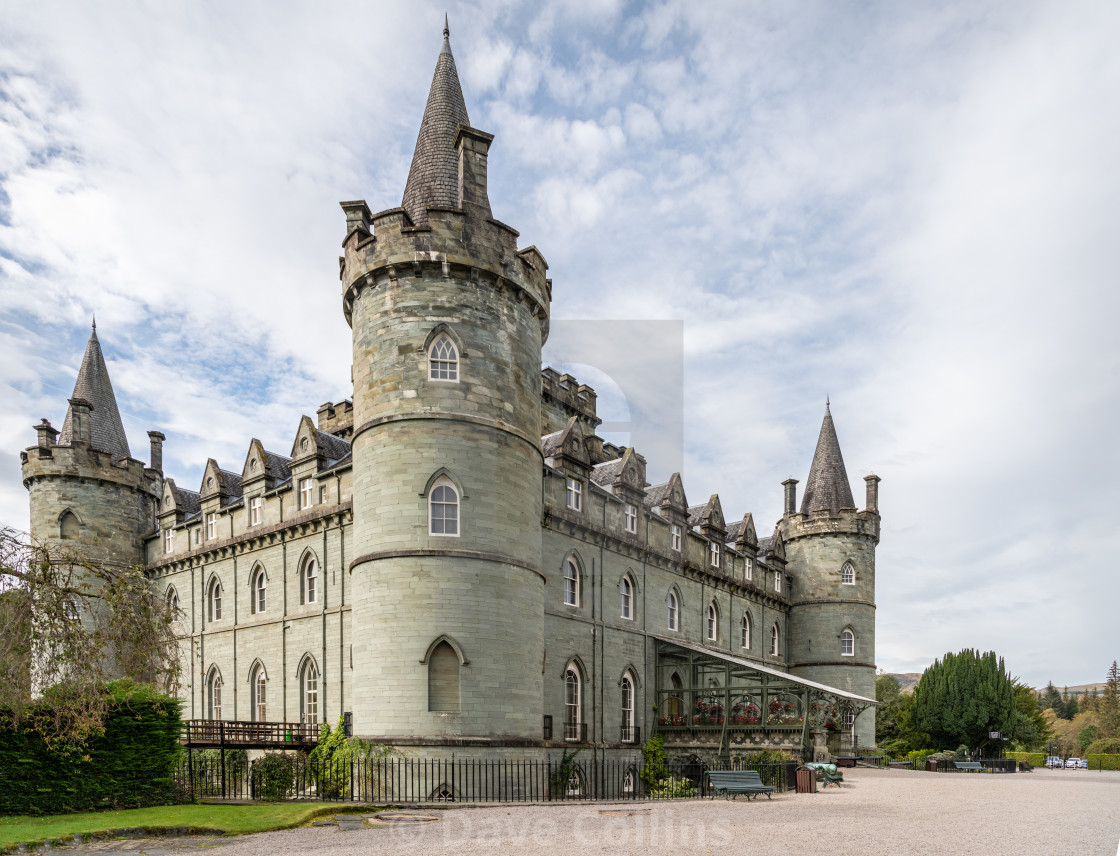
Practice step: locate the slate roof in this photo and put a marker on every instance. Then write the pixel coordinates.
(764, 545)
(188, 501)
(827, 485)
(232, 481)
(694, 514)
(106, 429)
(277, 467)
(605, 473)
(657, 495)
(551, 443)
(733, 531)
(334, 448)
(433, 179)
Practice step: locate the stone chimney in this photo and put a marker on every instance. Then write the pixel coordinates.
(872, 492)
(791, 495)
(473, 147)
(46, 435)
(80, 410)
(156, 455)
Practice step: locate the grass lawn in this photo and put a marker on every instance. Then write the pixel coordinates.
(229, 818)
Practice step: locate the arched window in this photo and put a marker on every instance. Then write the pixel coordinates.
(443, 509)
(713, 622)
(258, 689)
(848, 574)
(571, 582)
(627, 686)
(626, 598)
(260, 591)
(745, 632)
(443, 360)
(674, 607)
(214, 694)
(309, 581)
(573, 703)
(172, 602)
(309, 692)
(443, 678)
(68, 526)
(71, 607)
(214, 599)
(775, 640)
(847, 643)
(674, 706)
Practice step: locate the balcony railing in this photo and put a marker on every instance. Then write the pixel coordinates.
(575, 732)
(239, 734)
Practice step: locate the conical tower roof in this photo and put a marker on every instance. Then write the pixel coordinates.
(106, 429)
(434, 176)
(827, 486)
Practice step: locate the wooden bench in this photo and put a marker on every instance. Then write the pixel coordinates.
(738, 782)
(968, 766)
(828, 773)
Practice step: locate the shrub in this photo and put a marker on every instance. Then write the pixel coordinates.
(654, 768)
(274, 776)
(1035, 759)
(672, 788)
(1103, 762)
(1104, 746)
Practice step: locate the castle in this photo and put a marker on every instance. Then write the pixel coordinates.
(453, 558)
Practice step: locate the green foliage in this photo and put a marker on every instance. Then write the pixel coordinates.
(654, 766)
(1087, 735)
(920, 754)
(1104, 746)
(671, 788)
(1031, 731)
(1035, 759)
(131, 762)
(1109, 706)
(274, 776)
(963, 697)
(1103, 762)
(1050, 698)
(894, 726)
(560, 781)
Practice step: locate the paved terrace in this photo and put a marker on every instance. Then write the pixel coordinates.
(875, 812)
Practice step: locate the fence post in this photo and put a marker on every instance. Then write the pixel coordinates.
(190, 766)
(222, 744)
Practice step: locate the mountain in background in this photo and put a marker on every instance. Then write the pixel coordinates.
(908, 680)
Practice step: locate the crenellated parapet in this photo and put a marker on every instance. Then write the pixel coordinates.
(824, 522)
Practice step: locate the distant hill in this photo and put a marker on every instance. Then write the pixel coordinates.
(908, 680)
(1081, 689)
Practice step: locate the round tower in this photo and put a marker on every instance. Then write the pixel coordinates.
(88, 495)
(448, 320)
(830, 548)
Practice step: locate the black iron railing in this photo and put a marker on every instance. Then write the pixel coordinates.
(215, 733)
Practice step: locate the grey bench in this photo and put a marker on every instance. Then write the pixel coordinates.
(738, 782)
(828, 773)
(968, 766)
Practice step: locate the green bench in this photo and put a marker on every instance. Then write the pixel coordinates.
(738, 782)
(828, 773)
(968, 766)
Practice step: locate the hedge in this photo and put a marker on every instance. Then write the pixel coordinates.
(1103, 762)
(130, 765)
(1035, 759)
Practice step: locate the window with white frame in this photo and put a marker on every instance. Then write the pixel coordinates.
(310, 581)
(775, 640)
(258, 686)
(674, 607)
(627, 687)
(573, 702)
(713, 622)
(777, 581)
(309, 692)
(675, 537)
(169, 539)
(214, 694)
(748, 568)
(571, 582)
(626, 598)
(211, 527)
(575, 494)
(306, 493)
(713, 553)
(322, 494)
(849, 720)
(255, 510)
(848, 574)
(745, 632)
(847, 643)
(260, 590)
(443, 509)
(214, 599)
(443, 360)
(631, 513)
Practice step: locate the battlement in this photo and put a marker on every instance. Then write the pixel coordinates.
(562, 397)
(337, 418)
(79, 461)
(824, 522)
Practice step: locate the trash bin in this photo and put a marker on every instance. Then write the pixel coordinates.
(806, 781)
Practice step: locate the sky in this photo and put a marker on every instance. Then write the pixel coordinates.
(911, 209)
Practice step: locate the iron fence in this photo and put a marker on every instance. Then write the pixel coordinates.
(408, 780)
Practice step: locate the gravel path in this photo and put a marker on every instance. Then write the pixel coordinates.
(875, 812)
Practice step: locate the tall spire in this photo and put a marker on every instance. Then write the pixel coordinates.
(92, 385)
(827, 485)
(434, 176)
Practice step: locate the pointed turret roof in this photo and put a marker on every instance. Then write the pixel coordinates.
(434, 176)
(827, 486)
(106, 430)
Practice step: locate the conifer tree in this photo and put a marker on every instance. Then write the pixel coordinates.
(1109, 704)
(963, 697)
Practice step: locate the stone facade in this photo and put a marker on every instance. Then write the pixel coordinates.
(454, 557)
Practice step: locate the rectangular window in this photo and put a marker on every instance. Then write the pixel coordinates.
(211, 527)
(749, 570)
(777, 581)
(575, 495)
(197, 535)
(713, 554)
(675, 537)
(255, 511)
(631, 518)
(306, 493)
(323, 495)
(169, 540)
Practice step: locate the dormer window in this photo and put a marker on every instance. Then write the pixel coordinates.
(631, 518)
(306, 493)
(211, 527)
(748, 570)
(443, 360)
(575, 495)
(169, 540)
(255, 510)
(714, 554)
(675, 537)
(778, 581)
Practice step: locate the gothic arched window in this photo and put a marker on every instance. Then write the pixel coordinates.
(260, 591)
(847, 643)
(674, 608)
(214, 599)
(745, 632)
(573, 702)
(713, 622)
(443, 509)
(443, 678)
(848, 574)
(775, 640)
(571, 582)
(443, 359)
(68, 526)
(258, 689)
(309, 581)
(627, 687)
(626, 598)
(214, 694)
(309, 691)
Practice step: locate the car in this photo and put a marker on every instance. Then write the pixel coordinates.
(1053, 761)
(1073, 763)
(1084, 763)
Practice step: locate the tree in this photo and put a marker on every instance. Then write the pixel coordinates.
(1050, 699)
(1109, 705)
(67, 628)
(963, 697)
(894, 727)
(1031, 732)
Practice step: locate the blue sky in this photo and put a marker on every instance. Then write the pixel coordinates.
(910, 208)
